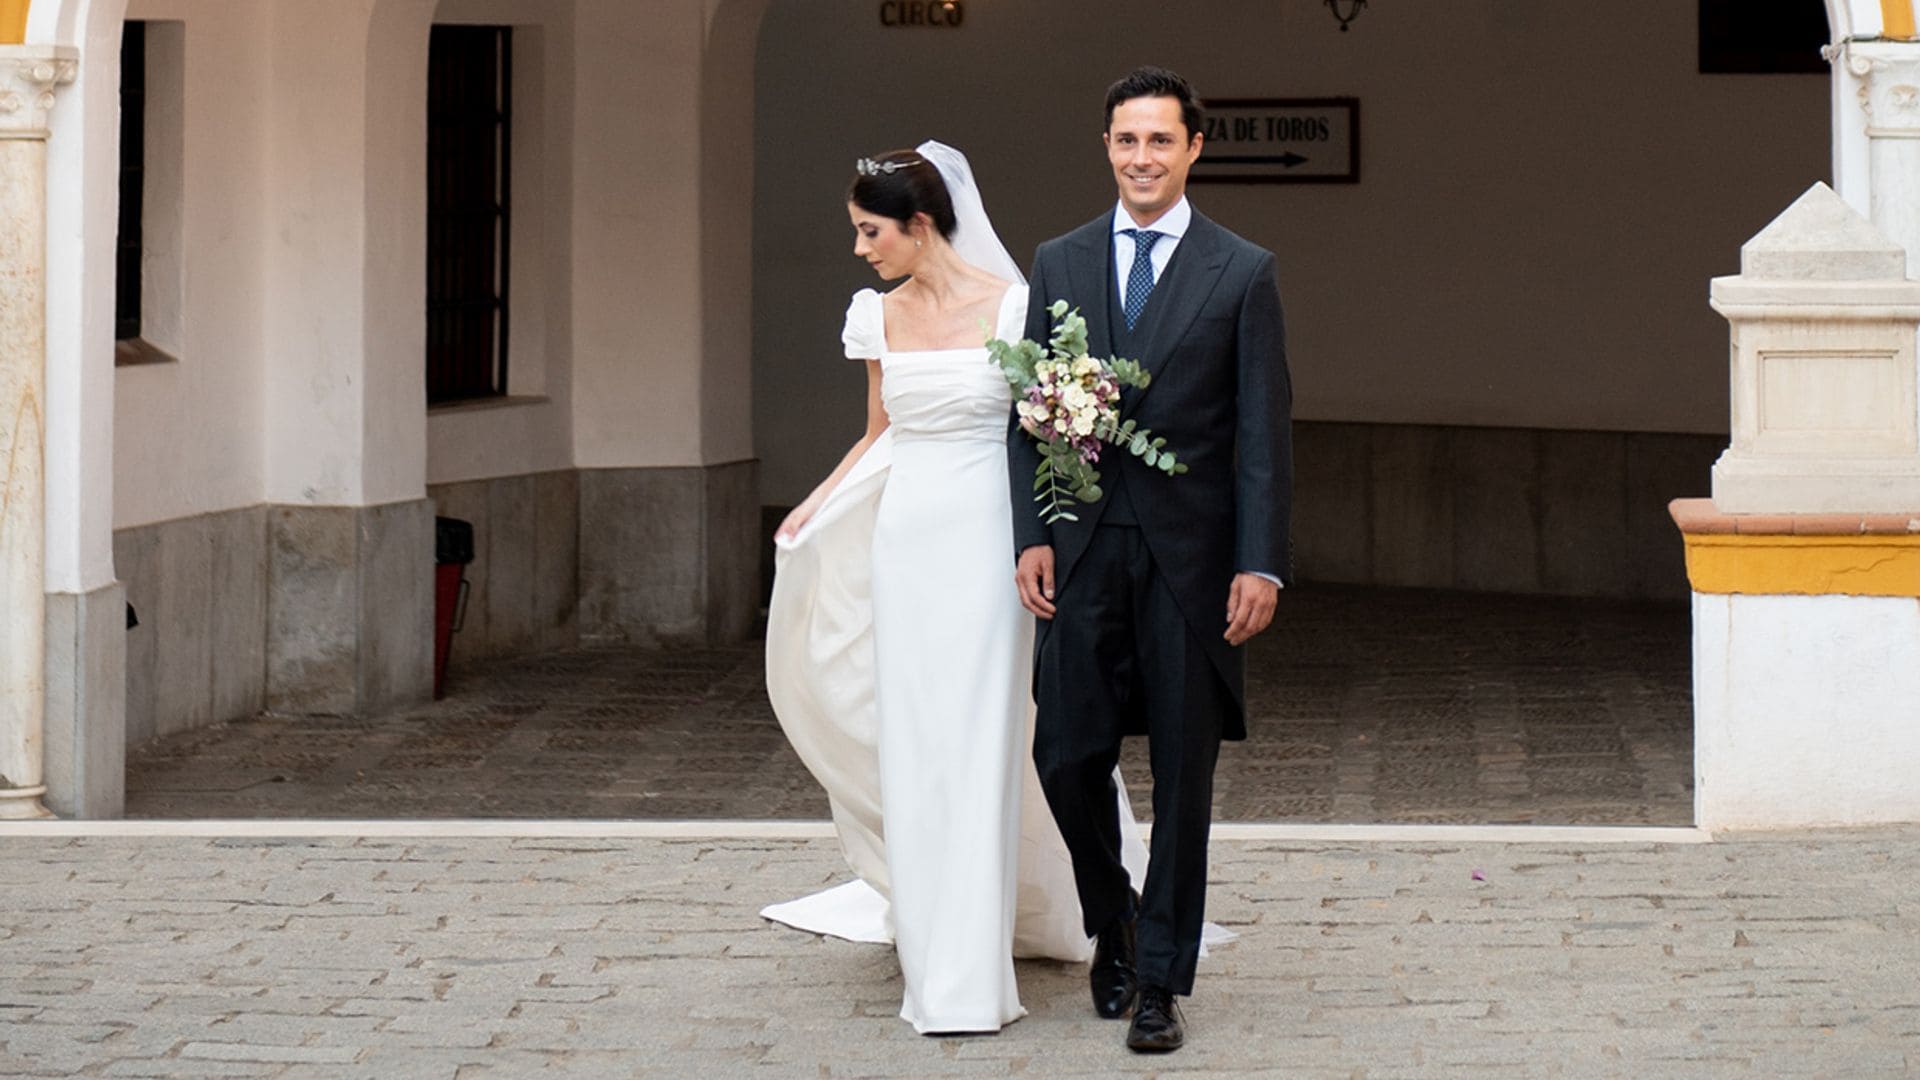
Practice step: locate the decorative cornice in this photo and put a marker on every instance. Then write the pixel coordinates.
(1799, 554)
(1889, 74)
(29, 77)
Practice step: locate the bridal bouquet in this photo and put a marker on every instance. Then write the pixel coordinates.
(1070, 403)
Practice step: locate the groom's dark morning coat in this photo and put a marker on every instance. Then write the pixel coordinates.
(1213, 339)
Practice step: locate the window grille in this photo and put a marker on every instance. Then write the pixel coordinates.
(469, 189)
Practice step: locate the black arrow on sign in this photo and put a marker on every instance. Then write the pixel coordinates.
(1290, 159)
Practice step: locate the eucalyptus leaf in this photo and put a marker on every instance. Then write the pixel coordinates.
(1062, 476)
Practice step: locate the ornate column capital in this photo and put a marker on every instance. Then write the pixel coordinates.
(1889, 73)
(29, 76)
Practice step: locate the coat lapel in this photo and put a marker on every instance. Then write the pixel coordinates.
(1183, 290)
(1090, 279)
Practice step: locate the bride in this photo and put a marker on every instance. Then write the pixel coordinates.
(898, 655)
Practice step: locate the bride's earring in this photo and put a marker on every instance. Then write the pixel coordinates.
(916, 242)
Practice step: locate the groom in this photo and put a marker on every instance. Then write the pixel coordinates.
(1146, 601)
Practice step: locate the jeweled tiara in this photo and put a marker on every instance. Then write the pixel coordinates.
(866, 166)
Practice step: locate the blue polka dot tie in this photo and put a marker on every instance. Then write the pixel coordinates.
(1140, 278)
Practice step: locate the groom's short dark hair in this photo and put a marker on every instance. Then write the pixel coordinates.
(1152, 81)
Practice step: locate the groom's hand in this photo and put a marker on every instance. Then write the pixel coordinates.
(1250, 605)
(1034, 576)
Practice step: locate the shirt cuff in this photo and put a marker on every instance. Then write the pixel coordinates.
(1277, 583)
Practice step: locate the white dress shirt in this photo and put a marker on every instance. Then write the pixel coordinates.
(1171, 226)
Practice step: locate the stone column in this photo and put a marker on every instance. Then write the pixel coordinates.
(29, 76)
(1889, 74)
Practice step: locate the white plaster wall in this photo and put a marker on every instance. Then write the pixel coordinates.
(82, 152)
(193, 437)
(314, 169)
(188, 436)
(637, 268)
(533, 430)
(1856, 18)
(392, 388)
(344, 169)
(1806, 710)
(653, 231)
(1547, 186)
(726, 188)
(302, 218)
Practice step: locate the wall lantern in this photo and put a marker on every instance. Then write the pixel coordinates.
(1354, 7)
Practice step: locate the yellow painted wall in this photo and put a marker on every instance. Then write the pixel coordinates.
(13, 21)
(1784, 565)
(1896, 19)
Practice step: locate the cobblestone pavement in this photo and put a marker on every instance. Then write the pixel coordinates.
(438, 958)
(1368, 705)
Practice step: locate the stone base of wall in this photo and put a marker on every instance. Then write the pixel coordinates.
(199, 588)
(330, 609)
(669, 555)
(86, 719)
(304, 609)
(1564, 513)
(1567, 513)
(523, 585)
(349, 626)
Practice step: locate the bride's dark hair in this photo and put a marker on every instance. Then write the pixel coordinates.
(899, 184)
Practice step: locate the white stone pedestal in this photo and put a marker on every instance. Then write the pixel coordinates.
(1823, 369)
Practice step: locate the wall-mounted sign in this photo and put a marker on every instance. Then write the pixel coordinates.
(1280, 141)
(936, 13)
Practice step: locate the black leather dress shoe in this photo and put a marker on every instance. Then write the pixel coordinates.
(1157, 1027)
(1111, 976)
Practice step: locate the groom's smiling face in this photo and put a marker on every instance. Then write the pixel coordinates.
(1151, 150)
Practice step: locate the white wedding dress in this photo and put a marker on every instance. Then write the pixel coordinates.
(899, 663)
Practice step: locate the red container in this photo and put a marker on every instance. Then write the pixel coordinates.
(449, 589)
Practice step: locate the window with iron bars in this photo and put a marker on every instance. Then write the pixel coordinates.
(469, 201)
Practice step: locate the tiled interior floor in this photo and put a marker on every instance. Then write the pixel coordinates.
(1368, 705)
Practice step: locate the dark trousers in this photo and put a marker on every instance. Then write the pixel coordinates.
(1119, 658)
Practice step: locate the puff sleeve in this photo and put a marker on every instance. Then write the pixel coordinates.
(865, 334)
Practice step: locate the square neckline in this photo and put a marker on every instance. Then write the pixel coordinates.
(887, 349)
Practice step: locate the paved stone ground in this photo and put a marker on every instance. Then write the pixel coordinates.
(1368, 705)
(469, 958)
